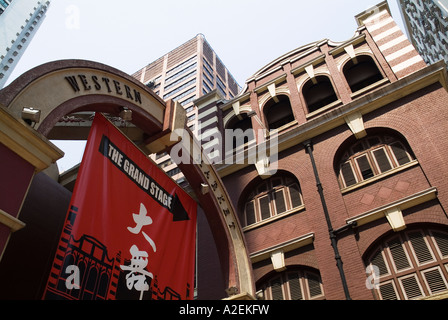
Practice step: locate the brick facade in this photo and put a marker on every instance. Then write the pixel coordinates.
(408, 102)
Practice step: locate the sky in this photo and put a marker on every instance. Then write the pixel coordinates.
(128, 35)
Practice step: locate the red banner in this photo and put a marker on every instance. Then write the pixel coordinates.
(130, 230)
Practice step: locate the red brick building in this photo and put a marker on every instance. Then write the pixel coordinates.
(357, 207)
(349, 202)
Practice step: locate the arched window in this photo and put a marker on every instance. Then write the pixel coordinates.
(410, 265)
(318, 92)
(372, 156)
(89, 290)
(293, 285)
(361, 72)
(103, 285)
(278, 112)
(241, 130)
(274, 196)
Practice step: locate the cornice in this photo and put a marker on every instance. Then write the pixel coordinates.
(363, 105)
(27, 142)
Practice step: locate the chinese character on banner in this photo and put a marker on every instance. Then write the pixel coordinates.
(142, 220)
(130, 232)
(136, 279)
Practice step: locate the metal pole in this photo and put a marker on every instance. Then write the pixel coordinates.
(334, 244)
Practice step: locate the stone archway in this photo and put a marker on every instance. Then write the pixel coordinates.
(61, 88)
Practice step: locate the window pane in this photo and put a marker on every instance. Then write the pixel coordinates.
(264, 208)
(347, 174)
(400, 153)
(276, 289)
(314, 285)
(294, 193)
(435, 281)
(442, 242)
(420, 248)
(279, 201)
(294, 286)
(250, 213)
(378, 261)
(364, 166)
(387, 291)
(398, 254)
(382, 160)
(411, 287)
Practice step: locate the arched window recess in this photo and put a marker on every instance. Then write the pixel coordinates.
(239, 134)
(293, 284)
(411, 264)
(278, 112)
(362, 73)
(318, 93)
(271, 198)
(372, 156)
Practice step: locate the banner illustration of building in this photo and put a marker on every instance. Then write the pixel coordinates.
(130, 230)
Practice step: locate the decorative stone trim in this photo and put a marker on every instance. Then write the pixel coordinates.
(12, 223)
(284, 247)
(27, 142)
(392, 211)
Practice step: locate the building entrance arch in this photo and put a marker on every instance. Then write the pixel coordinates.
(48, 96)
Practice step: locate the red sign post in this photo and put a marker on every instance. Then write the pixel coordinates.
(130, 231)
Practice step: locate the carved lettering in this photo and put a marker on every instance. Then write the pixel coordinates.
(81, 82)
(117, 87)
(128, 92)
(97, 84)
(106, 81)
(84, 82)
(72, 81)
(137, 96)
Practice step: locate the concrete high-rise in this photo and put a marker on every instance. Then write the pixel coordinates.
(3, 5)
(185, 74)
(426, 24)
(19, 22)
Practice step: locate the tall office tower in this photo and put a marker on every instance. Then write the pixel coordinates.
(19, 21)
(185, 74)
(426, 22)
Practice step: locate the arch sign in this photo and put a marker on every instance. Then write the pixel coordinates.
(156, 214)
